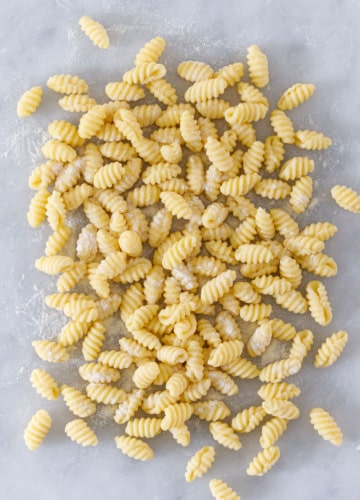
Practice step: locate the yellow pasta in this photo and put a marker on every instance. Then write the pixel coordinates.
(273, 153)
(247, 420)
(251, 94)
(199, 463)
(124, 91)
(224, 435)
(258, 66)
(278, 370)
(79, 404)
(205, 90)
(77, 103)
(29, 102)
(163, 91)
(37, 209)
(346, 198)
(194, 71)
(211, 410)
(176, 415)
(105, 394)
(145, 72)
(221, 491)
(309, 139)
(59, 151)
(263, 462)
(330, 350)
(326, 426)
(319, 305)
(278, 390)
(66, 132)
(143, 427)
(44, 384)
(37, 429)
(296, 95)
(95, 31)
(282, 126)
(78, 430)
(281, 408)
(151, 51)
(243, 114)
(67, 84)
(134, 448)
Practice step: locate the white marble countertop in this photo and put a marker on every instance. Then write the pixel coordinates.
(308, 41)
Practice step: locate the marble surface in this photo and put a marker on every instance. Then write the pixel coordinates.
(305, 41)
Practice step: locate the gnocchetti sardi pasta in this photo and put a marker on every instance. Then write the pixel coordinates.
(177, 238)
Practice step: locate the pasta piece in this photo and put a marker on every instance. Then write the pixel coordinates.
(151, 51)
(319, 305)
(290, 270)
(346, 198)
(243, 114)
(319, 264)
(145, 73)
(77, 103)
(79, 404)
(253, 254)
(37, 209)
(95, 31)
(134, 448)
(43, 175)
(293, 301)
(59, 151)
(221, 382)
(301, 194)
(66, 132)
(301, 345)
(273, 153)
(304, 245)
(176, 415)
(239, 185)
(278, 390)
(199, 463)
(271, 431)
(330, 350)
(143, 427)
(78, 431)
(309, 139)
(221, 491)
(171, 355)
(93, 342)
(29, 102)
(145, 375)
(44, 384)
(217, 287)
(296, 167)
(225, 353)
(258, 66)
(281, 408)
(272, 189)
(181, 434)
(211, 410)
(67, 84)
(163, 91)
(98, 373)
(248, 419)
(278, 370)
(321, 230)
(50, 351)
(263, 462)
(194, 71)
(190, 131)
(282, 126)
(37, 429)
(253, 158)
(296, 95)
(72, 332)
(224, 435)
(124, 91)
(241, 368)
(127, 409)
(326, 426)
(218, 155)
(213, 109)
(251, 94)
(105, 394)
(205, 90)
(259, 340)
(176, 204)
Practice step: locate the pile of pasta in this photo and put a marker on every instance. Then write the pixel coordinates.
(178, 242)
